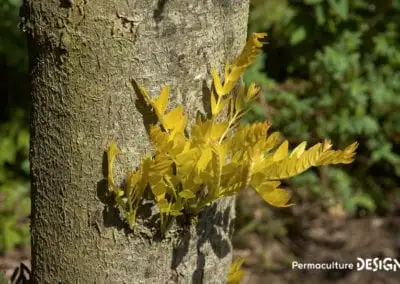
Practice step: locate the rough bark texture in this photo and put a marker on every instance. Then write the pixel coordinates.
(83, 56)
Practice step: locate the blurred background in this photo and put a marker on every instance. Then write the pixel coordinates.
(331, 69)
(14, 140)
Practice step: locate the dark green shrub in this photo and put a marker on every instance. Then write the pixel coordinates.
(14, 133)
(332, 70)
(14, 184)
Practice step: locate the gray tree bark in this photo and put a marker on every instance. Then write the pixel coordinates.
(83, 56)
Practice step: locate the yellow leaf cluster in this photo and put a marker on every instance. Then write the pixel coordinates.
(216, 158)
(235, 273)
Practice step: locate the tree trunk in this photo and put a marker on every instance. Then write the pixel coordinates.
(83, 56)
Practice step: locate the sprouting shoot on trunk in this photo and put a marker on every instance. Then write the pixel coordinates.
(216, 157)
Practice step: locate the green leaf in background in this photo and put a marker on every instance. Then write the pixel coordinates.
(319, 14)
(257, 109)
(341, 7)
(8, 148)
(365, 201)
(14, 183)
(396, 4)
(348, 53)
(298, 36)
(23, 139)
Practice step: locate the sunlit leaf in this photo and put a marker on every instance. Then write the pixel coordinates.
(299, 150)
(205, 158)
(281, 152)
(217, 83)
(253, 91)
(173, 118)
(239, 102)
(277, 197)
(162, 101)
(214, 110)
(163, 205)
(235, 273)
(187, 194)
(112, 152)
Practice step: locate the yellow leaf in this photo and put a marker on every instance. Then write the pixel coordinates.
(299, 150)
(231, 109)
(317, 155)
(218, 157)
(251, 49)
(159, 139)
(155, 178)
(267, 187)
(218, 129)
(291, 168)
(313, 154)
(205, 158)
(204, 177)
(172, 119)
(161, 164)
(271, 141)
(179, 126)
(177, 207)
(239, 102)
(185, 157)
(145, 95)
(277, 197)
(162, 101)
(152, 102)
(235, 273)
(227, 68)
(223, 103)
(281, 152)
(132, 180)
(145, 168)
(163, 205)
(214, 110)
(257, 179)
(217, 83)
(200, 132)
(327, 145)
(188, 182)
(187, 194)
(232, 78)
(351, 148)
(252, 92)
(180, 145)
(159, 189)
(112, 152)
(230, 169)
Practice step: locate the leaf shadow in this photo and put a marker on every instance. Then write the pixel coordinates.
(146, 110)
(212, 223)
(111, 213)
(216, 228)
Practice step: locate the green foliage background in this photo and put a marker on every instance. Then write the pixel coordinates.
(332, 70)
(14, 132)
